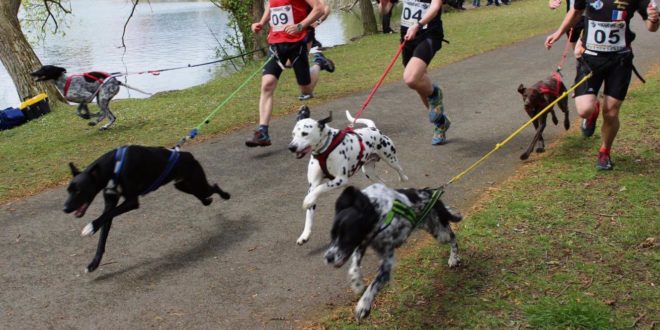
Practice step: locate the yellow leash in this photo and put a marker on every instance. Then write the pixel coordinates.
(499, 145)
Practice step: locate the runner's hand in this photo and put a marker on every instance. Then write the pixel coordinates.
(291, 29)
(652, 12)
(554, 4)
(412, 31)
(579, 49)
(551, 39)
(256, 27)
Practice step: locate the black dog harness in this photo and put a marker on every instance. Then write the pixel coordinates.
(399, 208)
(336, 140)
(120, 156)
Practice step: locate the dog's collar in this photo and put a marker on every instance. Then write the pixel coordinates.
(325, 144)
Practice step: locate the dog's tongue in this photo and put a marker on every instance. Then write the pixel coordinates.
(304, 152)
(81, 210)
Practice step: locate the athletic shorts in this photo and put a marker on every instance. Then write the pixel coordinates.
(423, 48)
(295, 52)
(311, 35)
(614, 70)
(393, 2)
(577, 31)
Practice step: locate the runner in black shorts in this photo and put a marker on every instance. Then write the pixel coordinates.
(421, 28)
(319, 61)
(385, 7)
(606, 40)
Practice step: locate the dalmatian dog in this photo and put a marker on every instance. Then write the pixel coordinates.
(83, 88)
(383, 218)
(337, 155)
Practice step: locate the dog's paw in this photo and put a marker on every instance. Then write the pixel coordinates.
(92, 265)
(454, 261)
(524, 156)
(362, 311)
(302, 239)
(357, 286)
(207, 201)
(308, 202)
(88, 230)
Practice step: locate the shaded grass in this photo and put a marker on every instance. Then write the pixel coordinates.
(34, 156)
(560, 247)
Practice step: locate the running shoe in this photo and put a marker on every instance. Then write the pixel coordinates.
(436, 108)
(325, 63)
(440, 132)
(604, 162)
(588, 125)
(303, 113)
(259, 139)
(305, 97)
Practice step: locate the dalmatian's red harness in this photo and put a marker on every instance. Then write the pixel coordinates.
(336, 140)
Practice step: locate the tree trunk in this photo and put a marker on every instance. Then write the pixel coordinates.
(259, 39)
(368, 17)
(18, 57)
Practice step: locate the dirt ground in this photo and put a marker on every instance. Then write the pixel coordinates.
(235, 265)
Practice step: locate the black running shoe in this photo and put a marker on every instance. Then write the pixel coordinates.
(303, 113)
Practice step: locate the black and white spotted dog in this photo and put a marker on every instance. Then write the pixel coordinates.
(383, 218)
(337, 155)
(83, 88)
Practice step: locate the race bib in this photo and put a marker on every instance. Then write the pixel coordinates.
(281, 17)
(606, 36)
(412, 12)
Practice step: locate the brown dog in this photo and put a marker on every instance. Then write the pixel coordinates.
(537, 98)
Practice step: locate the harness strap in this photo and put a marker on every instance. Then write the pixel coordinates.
(549, 90)
(336, 140)
(174, 157)
(88, 75)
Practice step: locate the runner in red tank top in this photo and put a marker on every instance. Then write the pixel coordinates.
(288, 21)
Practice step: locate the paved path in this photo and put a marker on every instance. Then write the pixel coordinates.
(235, 264)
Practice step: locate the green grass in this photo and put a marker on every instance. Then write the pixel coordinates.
(560, 247)
(34, 156)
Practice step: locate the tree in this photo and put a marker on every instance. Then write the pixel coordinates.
(16, 53)
(368, 17)
(243, 14)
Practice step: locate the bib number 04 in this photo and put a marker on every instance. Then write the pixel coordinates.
(413, 11)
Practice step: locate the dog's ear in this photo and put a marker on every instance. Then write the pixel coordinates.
(326, 120)
(346, 199)
(521, 89)
(74, 169)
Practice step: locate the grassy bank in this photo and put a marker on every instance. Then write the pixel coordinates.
(560, 246)
(34, 156)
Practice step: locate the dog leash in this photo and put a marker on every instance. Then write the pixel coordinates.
(565, 53)
(380, 81)
(158, 71)
(195, 131)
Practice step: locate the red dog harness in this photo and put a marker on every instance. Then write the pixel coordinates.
(336, 140)
(549, 90)
(97, 76)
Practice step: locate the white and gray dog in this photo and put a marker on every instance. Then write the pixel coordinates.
(83, 88)
(337, 155)
(383, 218)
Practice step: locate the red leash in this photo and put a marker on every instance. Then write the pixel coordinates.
(563, 56)
(380, 81)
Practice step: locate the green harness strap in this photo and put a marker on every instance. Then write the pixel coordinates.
(408, 212)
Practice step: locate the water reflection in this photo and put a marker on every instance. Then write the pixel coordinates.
(161, 34)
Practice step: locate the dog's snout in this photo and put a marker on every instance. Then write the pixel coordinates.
(293, 147)
(329, 258)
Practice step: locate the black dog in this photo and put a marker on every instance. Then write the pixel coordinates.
(129, 172)
(536, 98)
(383, 218)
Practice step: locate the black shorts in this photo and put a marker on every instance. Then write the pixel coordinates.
(423, 48)
(577, 31)
(311, 35)
(296, 53)
(614, 70)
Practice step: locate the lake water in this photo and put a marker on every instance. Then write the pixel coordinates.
(161, 34)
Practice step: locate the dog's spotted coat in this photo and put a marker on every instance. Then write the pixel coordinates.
(360, 222)
(314, 136)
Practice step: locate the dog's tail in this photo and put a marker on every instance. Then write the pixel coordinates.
(133, 88)
(367, 122)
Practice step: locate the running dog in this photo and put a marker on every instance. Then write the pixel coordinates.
(337, 155)
(383, 218)
(537, 98)
(83, 88)
(129, 172)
